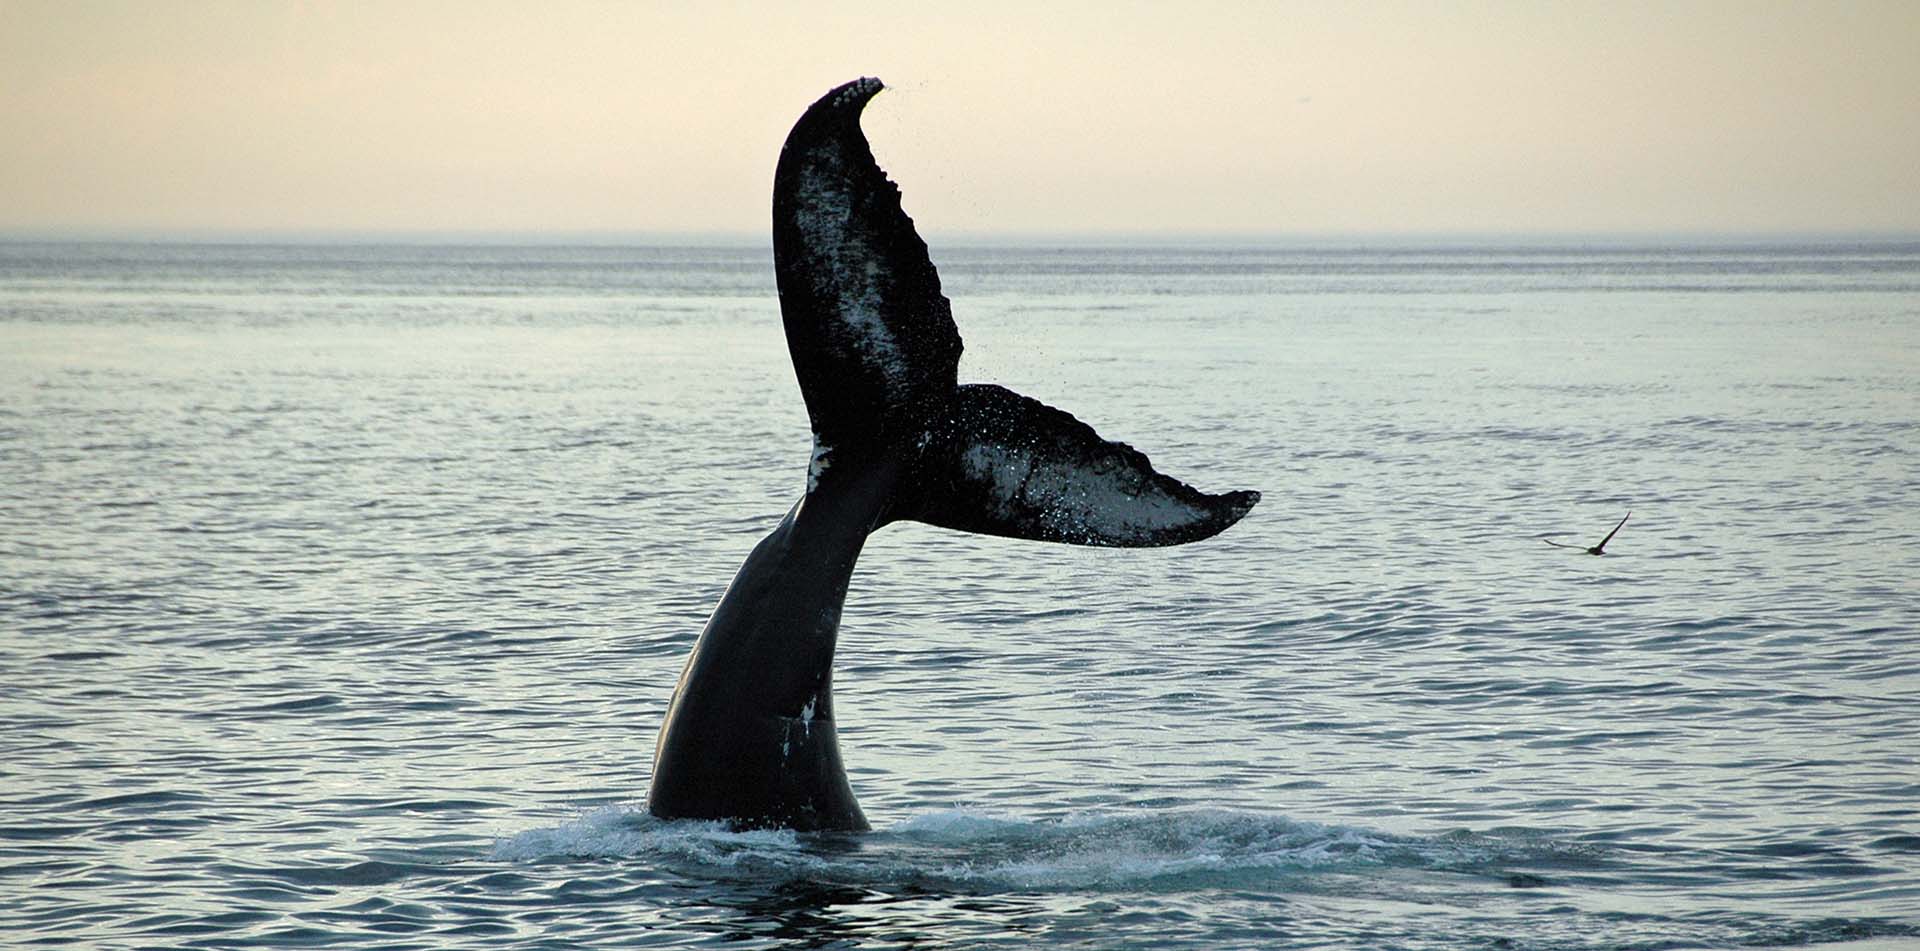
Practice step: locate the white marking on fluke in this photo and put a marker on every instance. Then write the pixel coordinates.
(818, 463)
(1070, 498)
(843, 268)
(804, 721)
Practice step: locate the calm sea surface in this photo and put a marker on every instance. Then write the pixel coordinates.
(342, 589)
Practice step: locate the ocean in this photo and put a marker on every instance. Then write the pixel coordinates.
(343, 587)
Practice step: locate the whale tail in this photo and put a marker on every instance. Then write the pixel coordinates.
(877, 355)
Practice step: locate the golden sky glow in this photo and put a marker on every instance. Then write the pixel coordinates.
(1020, 117)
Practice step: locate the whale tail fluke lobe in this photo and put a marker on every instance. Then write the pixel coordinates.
(877, 355)
(1005, 464)
(871, 335)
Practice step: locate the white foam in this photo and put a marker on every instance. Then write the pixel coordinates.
(1131, 849)
(628, 830)
(980, 849)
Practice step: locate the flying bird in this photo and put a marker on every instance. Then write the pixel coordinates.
(1599, 549)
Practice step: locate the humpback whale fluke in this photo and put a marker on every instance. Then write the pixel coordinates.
(749, 736)
(1599, 549)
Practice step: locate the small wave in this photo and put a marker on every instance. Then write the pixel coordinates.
(301, 705)
(139, 801)
(970, 849)
(325, 876)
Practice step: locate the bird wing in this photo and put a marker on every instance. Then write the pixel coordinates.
(1616, 531)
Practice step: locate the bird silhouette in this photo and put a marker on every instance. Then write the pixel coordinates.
(1599, 549)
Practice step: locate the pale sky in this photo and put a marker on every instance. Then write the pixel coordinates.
(1137, 118)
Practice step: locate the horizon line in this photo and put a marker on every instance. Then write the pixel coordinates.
(610, 237)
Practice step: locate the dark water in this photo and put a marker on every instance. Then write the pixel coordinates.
(342, 589)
